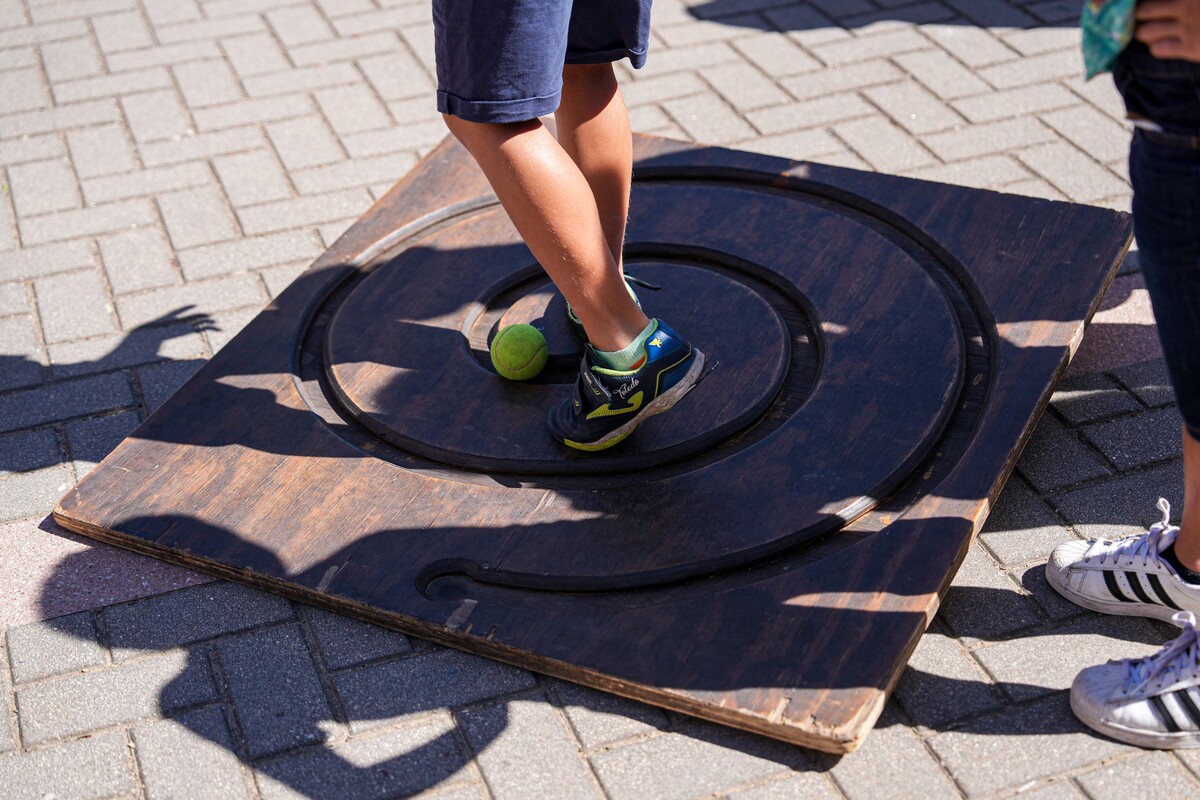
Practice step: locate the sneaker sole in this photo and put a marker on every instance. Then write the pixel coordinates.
(664, 402)
(1115, 607)
(1184, 740)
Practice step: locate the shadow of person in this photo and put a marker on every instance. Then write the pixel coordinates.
(139, 346)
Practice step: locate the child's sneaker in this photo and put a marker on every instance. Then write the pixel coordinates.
(629, 282)
(1125, 576)
(607, 405)
(1151, 702)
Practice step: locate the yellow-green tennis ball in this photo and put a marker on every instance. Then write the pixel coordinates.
(519, 352)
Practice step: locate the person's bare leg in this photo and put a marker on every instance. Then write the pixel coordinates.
(593, 128)
(1187, 546)
(552, 206)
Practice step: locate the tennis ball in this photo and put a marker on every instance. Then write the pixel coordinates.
(519, 352)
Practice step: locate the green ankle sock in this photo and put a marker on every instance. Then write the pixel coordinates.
(623, 360)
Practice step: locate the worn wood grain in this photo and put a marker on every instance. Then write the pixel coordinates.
(766, 555)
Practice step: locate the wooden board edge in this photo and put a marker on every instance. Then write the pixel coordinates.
(838, 740)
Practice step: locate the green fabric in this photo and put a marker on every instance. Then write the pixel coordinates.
(1107, 29)
(623, 360)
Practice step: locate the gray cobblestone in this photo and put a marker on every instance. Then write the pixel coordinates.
(1019, 102)
(893, 763)
(29, 450)
(352, 173)
(446, 678)
(34, 262)
(677, 765)
(92, 439)
(12, 299)
(207, 83)
(196, 217)
(1138, 439)
(352, 109)
(66, 644)
(600, 719)
(190, 756)
(206, 298)
(29, 494)
(97, 766)
(30, 148)
(1149, 381)
(165, 12)
(124, 31)
(110, 85)
(1121, 506)
(249, 112)
(256, 253)
(1020, 528)
(288, 214)
(190, 615)
(209, 29)
(137, 259)
(809, 785)
(167, 55)
(87, 221)
(397, 763)
(160, 381)
(1072, 172)
(941, 74)
(21, 357)
(72, 58)
(79, 704)
(1018, 745)
(943, 684)
(914, 108)
(1034, 69)
(528, 733)
(810, 113)
(396, 75)
(344, 49)
(35, 34)
(76, 398)
(73, 306)
(155, 115)
(100, 151)
(279, 698)
(1089, 397)
(40, 187)
(1156, 775)
(1023, 671)
(983, 603)
(254, 54)
(24, 90)
(299, 80)
(1055, 458)
(145, 182)
(775, 54)
(884, 146)
(345, 642)
(203, 145)
(986, 172)
(304, 142)
(299, 25)
(862, 48)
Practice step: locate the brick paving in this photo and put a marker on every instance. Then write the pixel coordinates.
(168, 166)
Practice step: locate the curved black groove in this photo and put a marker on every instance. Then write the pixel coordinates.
(975, 324)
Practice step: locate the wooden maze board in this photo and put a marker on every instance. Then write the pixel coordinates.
(765, 556)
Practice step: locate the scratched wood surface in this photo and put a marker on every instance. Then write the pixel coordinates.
(766, 555)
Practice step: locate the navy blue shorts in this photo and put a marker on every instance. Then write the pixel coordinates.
(502, 60)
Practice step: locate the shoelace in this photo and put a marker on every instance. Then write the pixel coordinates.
(1142, 545)
(1175, 656)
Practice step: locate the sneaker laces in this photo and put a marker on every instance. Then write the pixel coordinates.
(1175, 656)
(1140, 545)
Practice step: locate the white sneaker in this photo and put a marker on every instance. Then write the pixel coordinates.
(1151, 702)
(1124, 576)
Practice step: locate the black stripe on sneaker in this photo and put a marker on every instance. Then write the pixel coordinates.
(1157, 586)
(1163, 714)
(1189, 705)
(1136, 585)
(1110, 580)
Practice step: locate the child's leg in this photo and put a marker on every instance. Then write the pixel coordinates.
(551, 203)
(593, 128)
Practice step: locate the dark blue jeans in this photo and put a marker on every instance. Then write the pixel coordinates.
(1165, 171)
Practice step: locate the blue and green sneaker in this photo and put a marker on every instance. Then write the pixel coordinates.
(607, 404)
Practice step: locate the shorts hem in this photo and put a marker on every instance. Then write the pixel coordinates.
(636, 57)
(498, 111)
